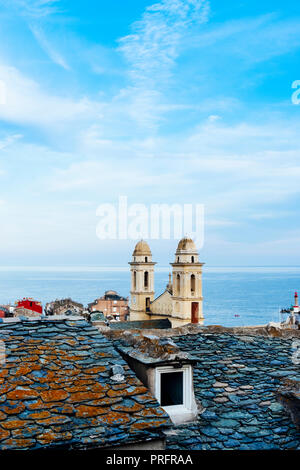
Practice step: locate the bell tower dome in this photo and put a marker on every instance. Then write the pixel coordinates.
(142, 281)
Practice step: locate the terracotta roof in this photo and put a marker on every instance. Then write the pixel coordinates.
(57, 389)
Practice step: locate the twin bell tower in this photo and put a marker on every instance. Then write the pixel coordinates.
(182, 300)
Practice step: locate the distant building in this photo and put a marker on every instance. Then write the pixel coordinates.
(64, 307)
(5, 311)
(182, 300)
(28, 307)
(113, 306)
(293, 318)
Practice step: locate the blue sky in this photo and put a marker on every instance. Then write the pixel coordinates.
(168, 102)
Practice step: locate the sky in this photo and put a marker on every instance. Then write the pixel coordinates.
(167, 102)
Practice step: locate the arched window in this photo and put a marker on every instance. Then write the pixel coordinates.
(178, 259)
(178, 284)
(193, 283)
(146, 259)
(193, 259)
(134, 280)
(146, 279)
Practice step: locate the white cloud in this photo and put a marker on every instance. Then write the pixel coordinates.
(27, 103)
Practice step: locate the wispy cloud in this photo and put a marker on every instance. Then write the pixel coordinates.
(33, 8)
(252, 39)
(152, 49)
(46, 45)
(156, 40)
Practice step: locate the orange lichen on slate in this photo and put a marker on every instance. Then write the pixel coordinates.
(85, 396)
(14, 424)
(54, 395)
(15, 409)
(22, 394)
(83, 411)
(4, 434)
(50, 436)
(58, 389)
(114, 418)
(147, 424)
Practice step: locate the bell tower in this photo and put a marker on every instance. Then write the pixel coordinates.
(142, 282)
(187, 282)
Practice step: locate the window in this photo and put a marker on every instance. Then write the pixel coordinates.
(193, 284)
(146, 279)
(178, 284)
(173, 388)
(146, 259)
(134, 280)
(193, 259)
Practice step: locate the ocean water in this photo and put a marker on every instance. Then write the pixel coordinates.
(256, 294)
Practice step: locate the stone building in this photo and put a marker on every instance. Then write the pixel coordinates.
(112, 305)
(64, 307)
(181, 302)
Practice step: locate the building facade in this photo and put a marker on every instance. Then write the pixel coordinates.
(181, 302)
(112, 305)
(28, 307)
(64, 307)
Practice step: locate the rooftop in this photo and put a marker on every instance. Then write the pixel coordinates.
(236, 380)
(60, 388)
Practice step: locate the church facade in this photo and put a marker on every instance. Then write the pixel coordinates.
(181, 302)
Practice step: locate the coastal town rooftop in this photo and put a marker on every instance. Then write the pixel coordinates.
(64, 384)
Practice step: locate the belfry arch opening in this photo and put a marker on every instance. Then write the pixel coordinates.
(146, 279)
(193, 284)
(178, 284)
(134, 280)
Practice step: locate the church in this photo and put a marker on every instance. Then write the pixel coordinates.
(181, 302)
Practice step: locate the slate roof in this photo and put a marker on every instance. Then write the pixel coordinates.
(235, 380)
(56, 389)
(161, 324)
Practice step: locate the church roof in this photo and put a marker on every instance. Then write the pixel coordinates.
(186, 244)
(142, 248)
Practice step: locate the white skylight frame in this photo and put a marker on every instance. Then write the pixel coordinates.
(186, 407)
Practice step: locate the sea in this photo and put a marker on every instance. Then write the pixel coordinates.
(233, 296)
